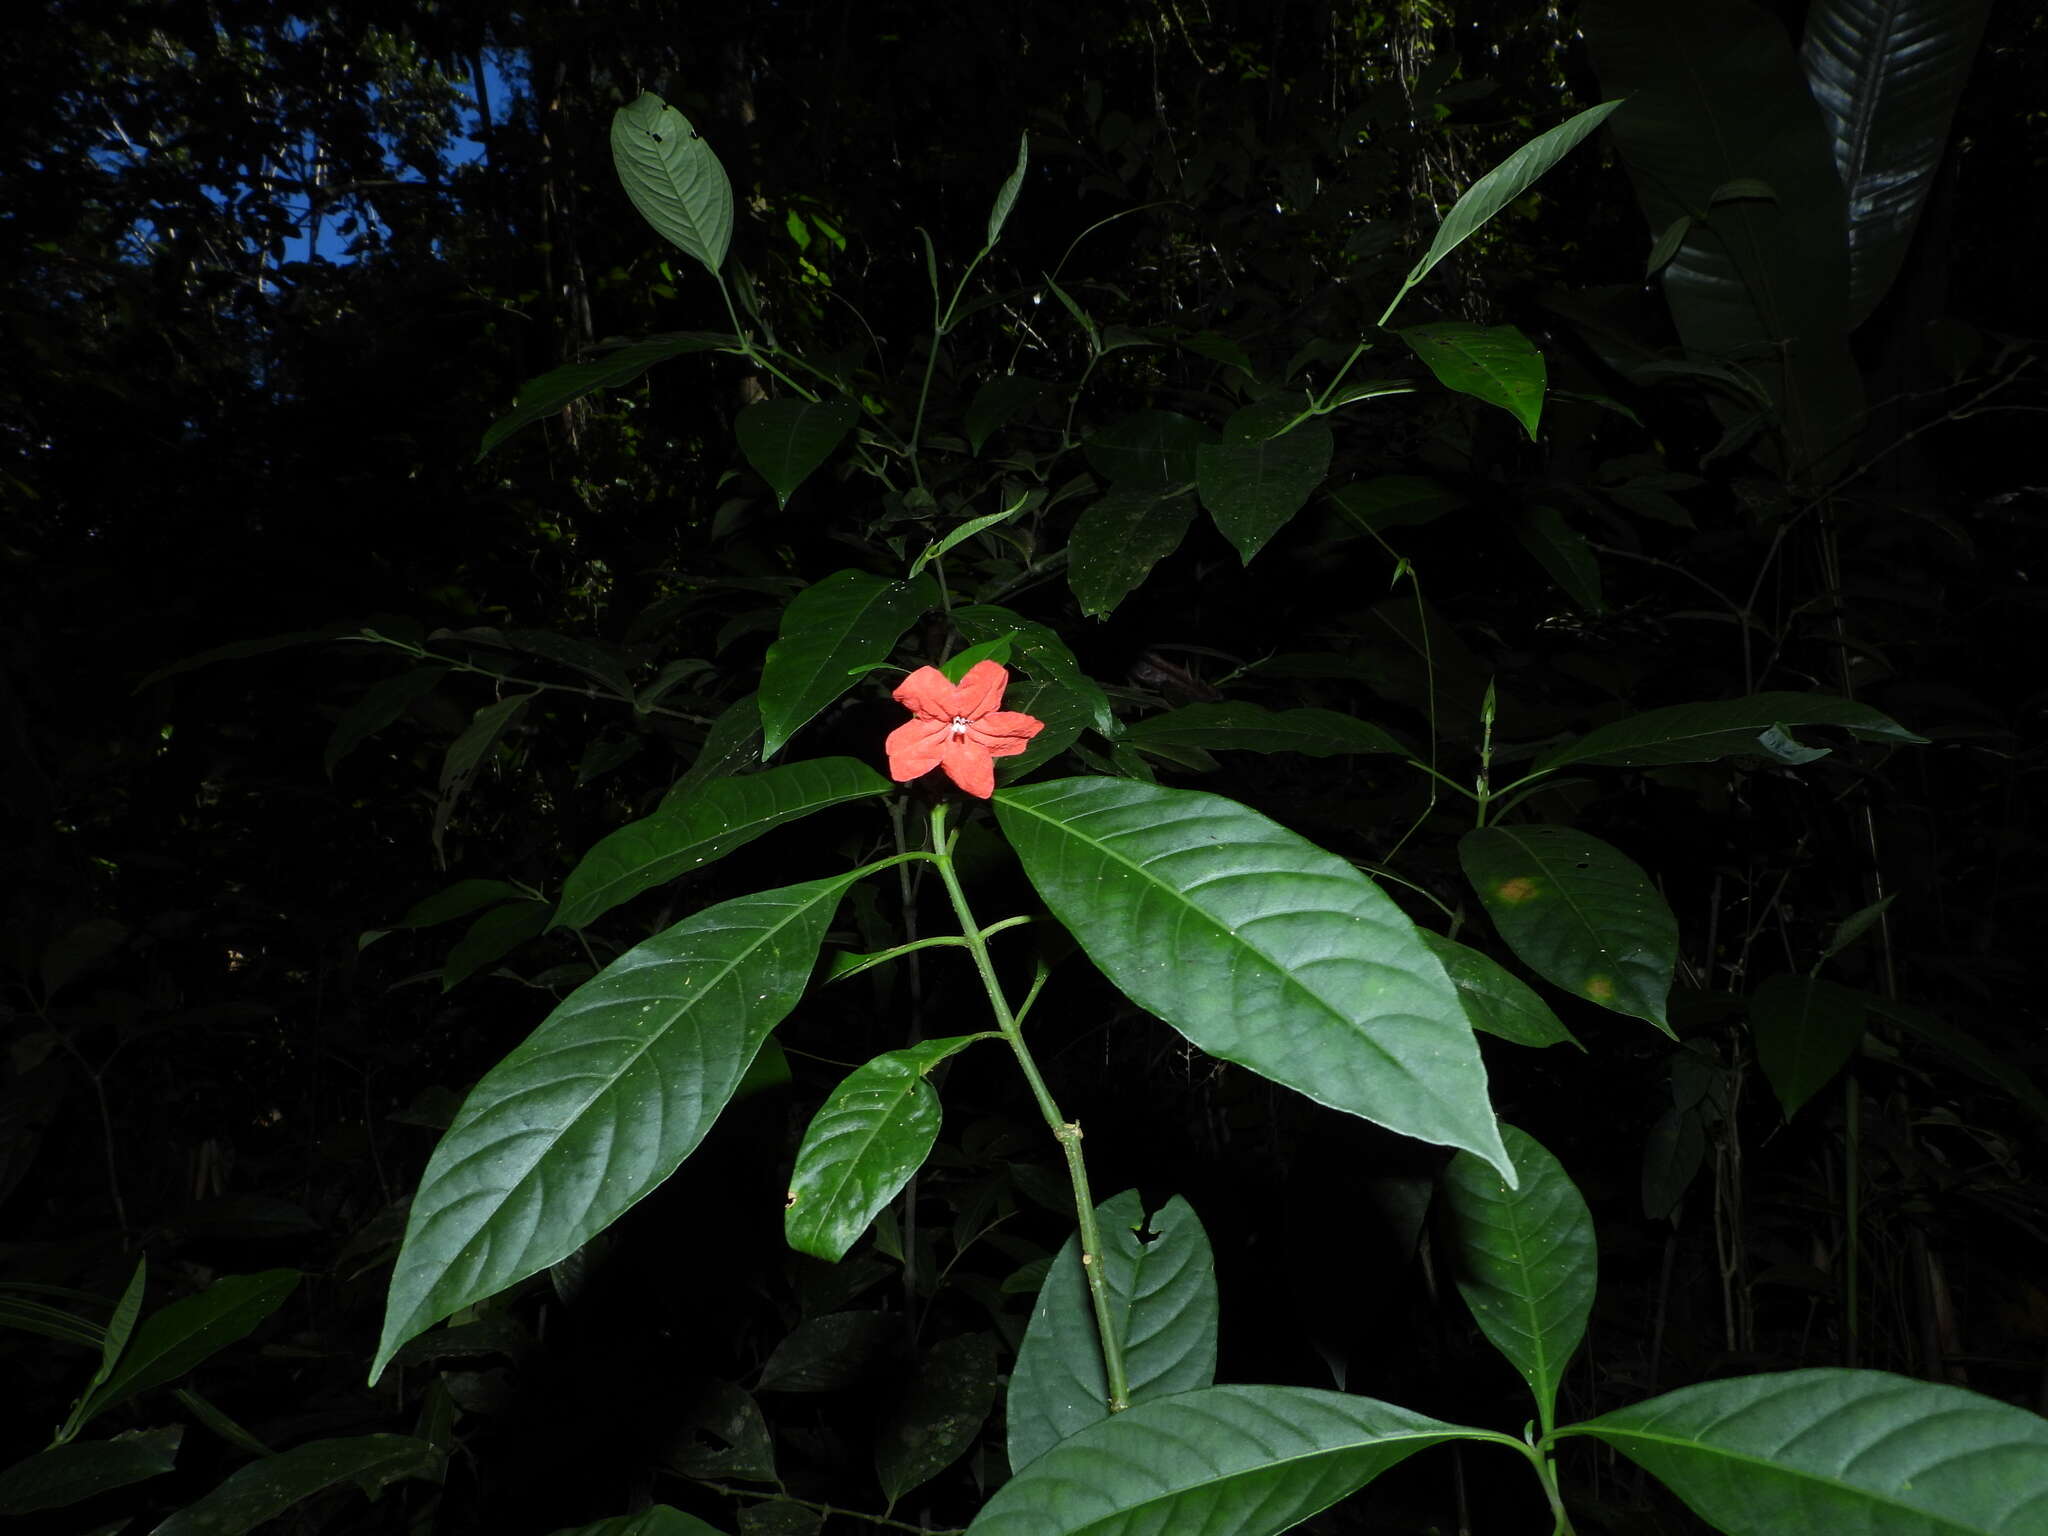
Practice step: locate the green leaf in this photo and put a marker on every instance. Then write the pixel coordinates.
(939, 1415)
(458, 900)
(1148, 450)
(726, 1435)
(1887, 75)
(1563, 552)
(1578, 913)
(617, 363)
(960, 663)
(1260, 948)
(468, 753)
(1497, 1000)
(1237, 726)
(1496, 364)
(1500, 187)
(1981, 1062)
(786, 439)
(1163, 1305)
(1394, 501)
(67, 1474)
(1006, 195)
(492, 937)
(1066, 716)
(674, 179)
(847, 621)
(661, 1520)
(265, 1489)
(1118, 539)
(602, 1101)
(1856, 924)
(827, 1353)
(1840, 1450)
(172, 1340)
(1701, 733)
(120, 1328)
(723, 815)
(1040, 652)
(996, 402)
(863, 1145)
(732, 743)
(1525, 1261)
(939, 548)
(1806, 1030)
(1247, 1461)
(1252, 486)
(1672, 1154)
(1666, 245)
(379, 706)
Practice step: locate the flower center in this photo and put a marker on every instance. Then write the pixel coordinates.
(959, 727)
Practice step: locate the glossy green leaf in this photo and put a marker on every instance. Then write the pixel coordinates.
(1525, 1261)
(1118, 539)
(941, 547)
(1259, 947)
(602, 1101)
(1496, 1000)
(1806, 1030)
(1701, 733)
(1164, 1307)
(1237, 726)
(732, 744)
(265, 1489)
(1006, 194)
(69, 1474)
(1252, 485)
(171, 1341)
(1040, 652)
(1066, 716)
(379, 707)
(1147, 450)
(996, 403)
(1577, 913)
(491, 938)
(1496, 364)
(786, 439)
(960, 663)
(1500, 187)
(1887, 75)
(1246, 1461)
(673, 178)
(661, 1520)
(1859, 1453)
(864, 1143)
(608, 368)
(723, 815)
(939, 1415)
(847, 621)
(1563, 552)
(120, 1329)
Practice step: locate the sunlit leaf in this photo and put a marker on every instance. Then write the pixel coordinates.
(1496, 364)
(673, 178)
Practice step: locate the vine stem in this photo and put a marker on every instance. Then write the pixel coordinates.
(1066, 1132)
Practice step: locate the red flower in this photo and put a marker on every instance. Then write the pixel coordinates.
(958, 727)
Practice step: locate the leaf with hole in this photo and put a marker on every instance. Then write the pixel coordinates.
(849, 621)
(1703, 733)
(673, 178)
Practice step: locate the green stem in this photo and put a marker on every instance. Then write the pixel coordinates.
(1066, 1132)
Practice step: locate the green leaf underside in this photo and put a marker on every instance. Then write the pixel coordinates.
(786, 439)
(673, 178)
(870, 1135)
(1163, 1305)
(1494, 364)
(1525, 1260)
(725, 814)
(1701, 733)
(603, 1101)
(67, 1474)
(1006, 194)
(172, 1340)
(1865, 1453)
(265, 1489)
(1252, 488)
(558, 388)
(1496, 1000)
(1806, 1029)
(849, 620)
(1118, 539)
(1260, 948)
(1237, 726)
(1578, 913)
(1248, 1461)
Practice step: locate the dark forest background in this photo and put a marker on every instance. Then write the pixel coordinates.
(270, 272)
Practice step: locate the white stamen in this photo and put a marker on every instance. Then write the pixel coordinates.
(959, 727)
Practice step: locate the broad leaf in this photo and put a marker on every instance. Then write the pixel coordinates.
(832, 628)
(1500, 187)
(996, 402)
(1525, 1261)
(1496, 1000)
(1496, 364)
(68, 1474)
(468, 753)
(939, 1414)
(1563, 552)
(1260, 948)
(1394, 501)
(608, 369)
(382, 704)
(492, 937)
(1118, 539)
(786, 439)
(1240, 727)
(458, 900)
(265, 1489)
(1701, 733)
(1040, 652)
(1252, 485)
(1247, 1461)
(1006, 194)
(732, 744)
(1806, 1030)
(1164, 1307)
(866, 1140)
(1148, 450)
(723, 815)
(827, 1353)
(1066, 716)
(1862, 1453)
(171, 1341)
(1578, 913)
(674, 179)
(661, 1520)
(602, 1101)
(1887, 75)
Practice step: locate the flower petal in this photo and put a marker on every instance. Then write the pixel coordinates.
(969, 765)
(1007, 723)
(926, 692)
(981, 690)
(917, 747)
